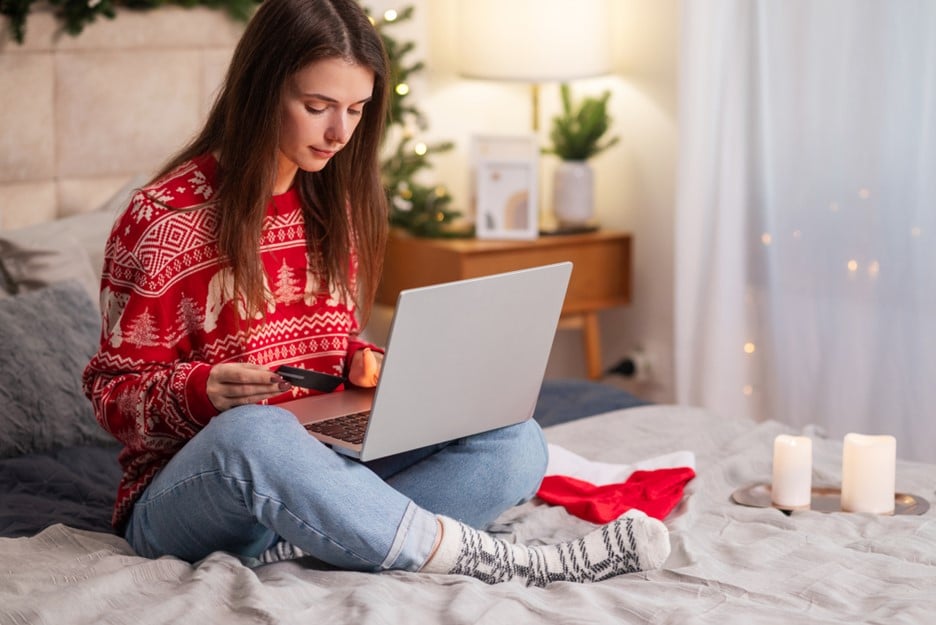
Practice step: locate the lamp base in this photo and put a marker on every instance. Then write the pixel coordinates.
(562, 229)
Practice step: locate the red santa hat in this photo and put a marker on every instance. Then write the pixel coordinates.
(601, 492)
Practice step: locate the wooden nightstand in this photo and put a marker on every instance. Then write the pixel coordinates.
(601, 273)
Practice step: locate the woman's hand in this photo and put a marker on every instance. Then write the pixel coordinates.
(240, 383)
(365, 368)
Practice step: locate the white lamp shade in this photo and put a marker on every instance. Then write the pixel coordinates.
(533, 40)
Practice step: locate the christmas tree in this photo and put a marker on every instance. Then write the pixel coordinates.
(421, 209)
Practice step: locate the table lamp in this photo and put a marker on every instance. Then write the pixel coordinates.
(533, 41)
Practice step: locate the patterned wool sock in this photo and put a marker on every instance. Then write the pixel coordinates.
(281, 551)
(634, 542)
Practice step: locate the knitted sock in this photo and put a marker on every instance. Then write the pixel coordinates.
(634, 542)
(282, 550)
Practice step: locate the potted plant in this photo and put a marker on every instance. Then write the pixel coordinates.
(578, 134)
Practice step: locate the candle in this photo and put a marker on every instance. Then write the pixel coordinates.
(869, 473)
(792, 472)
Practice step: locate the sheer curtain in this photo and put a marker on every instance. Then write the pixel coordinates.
(806, 215)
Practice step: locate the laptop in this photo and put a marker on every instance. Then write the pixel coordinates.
(461, 358)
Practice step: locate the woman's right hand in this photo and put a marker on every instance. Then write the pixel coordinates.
(233, 384)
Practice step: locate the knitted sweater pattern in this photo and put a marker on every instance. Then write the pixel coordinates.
(170, 312)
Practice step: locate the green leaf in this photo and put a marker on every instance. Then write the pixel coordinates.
(576, 133)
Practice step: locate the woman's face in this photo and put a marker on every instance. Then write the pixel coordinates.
(323, 104)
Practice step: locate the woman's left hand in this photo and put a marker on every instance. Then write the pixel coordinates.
(365, 368)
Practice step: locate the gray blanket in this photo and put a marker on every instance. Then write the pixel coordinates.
(729, 564)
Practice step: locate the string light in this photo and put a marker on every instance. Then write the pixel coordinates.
(916, 231)
(766, 239)
(797, 234)
(748, 390)
(390, 15)
(853, 265)
(749, 348)
(874, 268)
(864, 194)
(402, 88)
(420, 148)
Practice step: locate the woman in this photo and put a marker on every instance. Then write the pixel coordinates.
(257, 246)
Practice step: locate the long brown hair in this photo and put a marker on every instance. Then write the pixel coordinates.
(344, 204)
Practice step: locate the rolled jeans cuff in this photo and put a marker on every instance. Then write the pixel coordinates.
(414, 540)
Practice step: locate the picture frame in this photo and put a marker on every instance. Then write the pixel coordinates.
(507, 199)
(505, 186)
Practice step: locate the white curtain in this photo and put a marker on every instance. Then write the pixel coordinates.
(806, 215)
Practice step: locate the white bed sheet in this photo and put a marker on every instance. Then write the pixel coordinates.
(730, 563)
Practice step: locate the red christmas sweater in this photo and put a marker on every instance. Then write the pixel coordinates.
(169, 313)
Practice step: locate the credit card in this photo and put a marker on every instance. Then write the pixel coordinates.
(314, 380)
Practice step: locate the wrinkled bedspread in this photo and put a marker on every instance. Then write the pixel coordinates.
(730, 563)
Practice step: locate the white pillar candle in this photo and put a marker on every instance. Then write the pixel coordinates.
(869, 473)
(792, 472)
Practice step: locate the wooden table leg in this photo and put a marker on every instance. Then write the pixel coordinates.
(591, 337)
(587, 324)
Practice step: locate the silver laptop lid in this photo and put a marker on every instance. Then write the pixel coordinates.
(465, 357)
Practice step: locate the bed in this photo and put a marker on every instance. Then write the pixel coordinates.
(730, 563)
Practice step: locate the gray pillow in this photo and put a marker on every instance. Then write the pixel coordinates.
(72, 247)
(36, 256)
(48, 336)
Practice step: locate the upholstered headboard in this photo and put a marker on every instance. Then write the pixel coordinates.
(82, 115)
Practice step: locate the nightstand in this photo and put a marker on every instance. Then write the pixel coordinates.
(601, 273)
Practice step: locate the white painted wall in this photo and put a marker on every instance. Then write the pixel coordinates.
(635, 179)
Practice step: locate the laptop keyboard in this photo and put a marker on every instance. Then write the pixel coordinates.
(349, 428)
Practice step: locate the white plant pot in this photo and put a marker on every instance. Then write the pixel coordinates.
(574, 193)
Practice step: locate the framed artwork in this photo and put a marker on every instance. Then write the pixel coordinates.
(506, 206)
(505, 183)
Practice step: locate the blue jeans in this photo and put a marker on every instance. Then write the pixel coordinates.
(253, 476)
